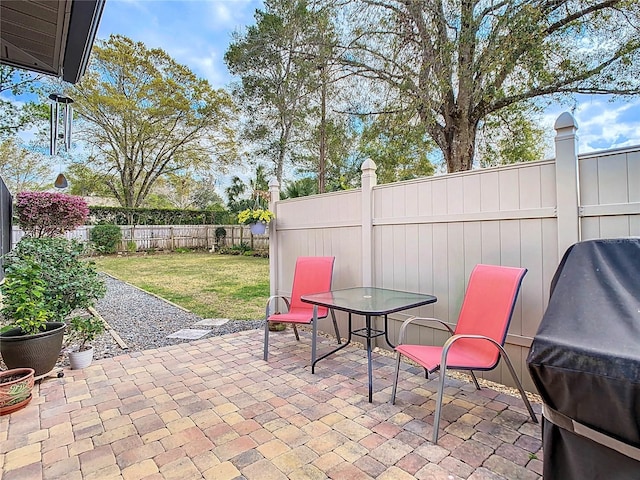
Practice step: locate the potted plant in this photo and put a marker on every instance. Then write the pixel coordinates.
(29, 339)
(256, 218)
(15, 389)
(84, 330)
(46, 278)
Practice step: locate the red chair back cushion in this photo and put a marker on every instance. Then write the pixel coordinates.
(312, 275)
(488, 307)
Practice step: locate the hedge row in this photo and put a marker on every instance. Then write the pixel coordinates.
(157, 216)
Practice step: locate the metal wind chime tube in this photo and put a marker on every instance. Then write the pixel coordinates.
(65, 135)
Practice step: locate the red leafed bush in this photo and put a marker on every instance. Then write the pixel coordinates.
(45, 214)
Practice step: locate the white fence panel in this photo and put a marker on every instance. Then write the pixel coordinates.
(429, 233)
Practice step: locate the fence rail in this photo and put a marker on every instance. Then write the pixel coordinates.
(171, 237)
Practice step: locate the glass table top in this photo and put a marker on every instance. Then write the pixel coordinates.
(369, 300)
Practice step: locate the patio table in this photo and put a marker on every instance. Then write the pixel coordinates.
(368, 302)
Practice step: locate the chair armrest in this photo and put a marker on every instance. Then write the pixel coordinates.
(451, 340)
(287, 301)
(405, 324)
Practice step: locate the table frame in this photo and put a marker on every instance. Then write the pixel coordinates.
(367, 331)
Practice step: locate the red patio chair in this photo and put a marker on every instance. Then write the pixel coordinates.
(311, 275)
(478, 340)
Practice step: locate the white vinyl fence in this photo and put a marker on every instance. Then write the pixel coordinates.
(426, 235)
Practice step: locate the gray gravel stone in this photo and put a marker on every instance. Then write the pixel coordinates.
(144, 321)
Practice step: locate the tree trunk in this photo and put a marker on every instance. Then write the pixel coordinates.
(459, 148)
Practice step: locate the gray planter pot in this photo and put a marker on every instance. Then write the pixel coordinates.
(39, 351)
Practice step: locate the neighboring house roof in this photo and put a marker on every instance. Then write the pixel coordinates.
(51, 37)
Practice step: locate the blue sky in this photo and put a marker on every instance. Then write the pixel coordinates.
(198, 32)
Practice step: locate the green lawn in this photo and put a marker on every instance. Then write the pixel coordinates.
(211, 285)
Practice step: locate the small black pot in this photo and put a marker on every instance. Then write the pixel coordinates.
(39, 351)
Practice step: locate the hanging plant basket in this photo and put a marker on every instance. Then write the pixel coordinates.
(258, 228)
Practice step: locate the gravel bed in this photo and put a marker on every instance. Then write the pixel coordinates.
(143, 321)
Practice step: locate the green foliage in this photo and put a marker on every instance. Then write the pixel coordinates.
(69, 281)
(511, 135)
(277, 60)
(221, 234)
(132, 246)
(241, 248)
(85, 330)
(106, 237)
(16, 116)
(158, 216)
(149, 116)
(23, 169)
(301, 187)
(400, 153)
(24, 297)
(85, 181)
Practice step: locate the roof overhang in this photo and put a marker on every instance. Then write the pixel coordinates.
(53, 37)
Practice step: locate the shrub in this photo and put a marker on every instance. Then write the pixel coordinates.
(24, 302)
(221, 234)
(45, 214)
(69, 281)
(85, 330)
(106, 238)
(132, 246)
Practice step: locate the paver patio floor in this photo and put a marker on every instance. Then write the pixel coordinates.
(214, 409)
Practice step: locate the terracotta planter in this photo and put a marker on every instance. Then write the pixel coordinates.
(15, 389)
(80, 359)
(258, 228)
(39, 351)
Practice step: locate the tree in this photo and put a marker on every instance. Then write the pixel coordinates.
(510, 135)
(148, 116)
(276, 61)
(23, 169)
(464, 60)
(84, 181)
(235, 193)
(399, 147)
(186, 189)
(15, 116)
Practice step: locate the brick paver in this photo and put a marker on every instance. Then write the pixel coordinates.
(213, 409)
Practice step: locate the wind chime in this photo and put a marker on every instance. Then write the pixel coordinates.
(61, 121)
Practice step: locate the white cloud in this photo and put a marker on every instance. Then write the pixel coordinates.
(602, 124)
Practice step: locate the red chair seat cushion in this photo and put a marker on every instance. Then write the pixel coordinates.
(296, 315)
(460, 356)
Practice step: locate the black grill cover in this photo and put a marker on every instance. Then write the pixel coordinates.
(585, 359)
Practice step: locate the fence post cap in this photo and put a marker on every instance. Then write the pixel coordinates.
(565, 120)
(368, 165)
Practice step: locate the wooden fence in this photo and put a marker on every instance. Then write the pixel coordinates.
(172, 237)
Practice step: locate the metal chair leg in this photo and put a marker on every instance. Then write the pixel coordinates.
(295, 330)
(436, 421)
(504, 355)
(314, 336)
(335, 326)
(475, 380)
(395, 380)
(266, 340)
